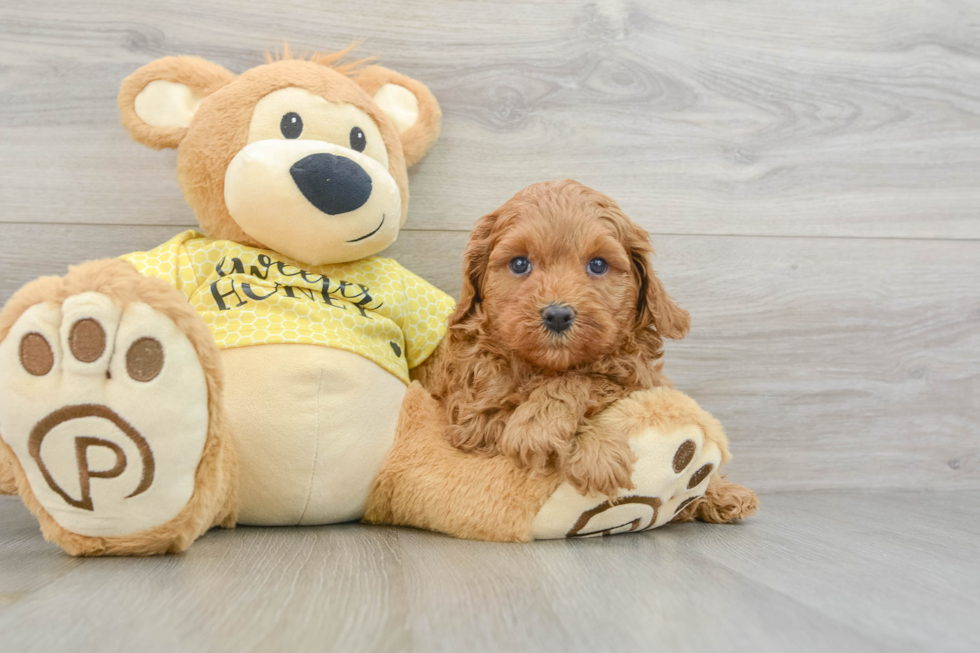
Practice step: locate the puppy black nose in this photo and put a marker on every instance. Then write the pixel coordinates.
(333, 184)
(557, 318)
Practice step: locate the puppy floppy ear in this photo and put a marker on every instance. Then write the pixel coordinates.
(157, 102)
(409, 104)
(476, 258)
(655, 307)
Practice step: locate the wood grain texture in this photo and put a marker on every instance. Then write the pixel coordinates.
(832, 363)
(817, 572)
(811, 172)
(704, 117)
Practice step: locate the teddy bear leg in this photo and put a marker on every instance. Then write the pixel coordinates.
(678, 448)
(723, 502)
(427, 483)
(110, 413)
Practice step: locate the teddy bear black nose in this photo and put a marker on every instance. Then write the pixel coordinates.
(557, 318)
(333, 184)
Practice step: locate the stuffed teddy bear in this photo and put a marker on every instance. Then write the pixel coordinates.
(260, 372)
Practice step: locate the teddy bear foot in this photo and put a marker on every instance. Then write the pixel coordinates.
(106, 421)
(678, 448)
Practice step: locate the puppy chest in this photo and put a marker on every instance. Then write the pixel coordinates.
(312, 427)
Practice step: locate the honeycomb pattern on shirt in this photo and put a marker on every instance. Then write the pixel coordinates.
(249, 296)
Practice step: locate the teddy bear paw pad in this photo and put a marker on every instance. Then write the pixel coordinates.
(672, 469)
(106, 411)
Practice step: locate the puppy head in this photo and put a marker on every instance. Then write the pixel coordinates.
(562, 277)
(304, 157)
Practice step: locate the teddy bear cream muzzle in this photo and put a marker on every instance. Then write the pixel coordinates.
(313, 201)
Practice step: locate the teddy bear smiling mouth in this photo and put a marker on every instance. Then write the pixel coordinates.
(376, 230)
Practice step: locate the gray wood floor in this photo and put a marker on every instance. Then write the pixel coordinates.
(814, 572)
(811, 174)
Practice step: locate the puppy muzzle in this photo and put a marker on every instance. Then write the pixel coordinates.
(558, 318)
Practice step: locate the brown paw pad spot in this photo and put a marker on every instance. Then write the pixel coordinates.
(35, 354)
(700, 475)
(683, 504)
(144, 360)
(684, 455)
(86, 340)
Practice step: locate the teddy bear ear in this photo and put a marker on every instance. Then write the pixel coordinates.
(157, 102)
(409, 104)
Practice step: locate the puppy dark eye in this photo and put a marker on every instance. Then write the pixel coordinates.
(291, 125)
(598, 266)
(357, 140)
(520, 265)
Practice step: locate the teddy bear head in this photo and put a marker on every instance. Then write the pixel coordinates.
(301, 156)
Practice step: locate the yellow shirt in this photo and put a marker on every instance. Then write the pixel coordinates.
(248, 296)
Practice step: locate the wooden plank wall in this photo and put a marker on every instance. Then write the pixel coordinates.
(810, 172)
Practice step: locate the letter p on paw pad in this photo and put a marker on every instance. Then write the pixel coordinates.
(105, 408)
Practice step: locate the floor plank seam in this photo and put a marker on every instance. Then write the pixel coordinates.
(654, 234)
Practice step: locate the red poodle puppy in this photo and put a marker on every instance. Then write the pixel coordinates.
(561, 314)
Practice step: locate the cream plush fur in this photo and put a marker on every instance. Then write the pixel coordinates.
(308, 450)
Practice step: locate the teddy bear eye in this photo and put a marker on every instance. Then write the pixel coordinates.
(291, 125)
(598, 266)
(357, 140)
(520, 265)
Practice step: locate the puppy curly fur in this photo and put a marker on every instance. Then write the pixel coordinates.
(723, 502)
(509, 384)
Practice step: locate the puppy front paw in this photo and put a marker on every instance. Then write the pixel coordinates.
(530, 445)
(725, 502)
(600, 465)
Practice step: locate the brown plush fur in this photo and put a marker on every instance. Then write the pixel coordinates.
(215, 498)
(220, 126)
(427, 483)
(199, 74)
(417, 139)
(663, 409)
(509, 385)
